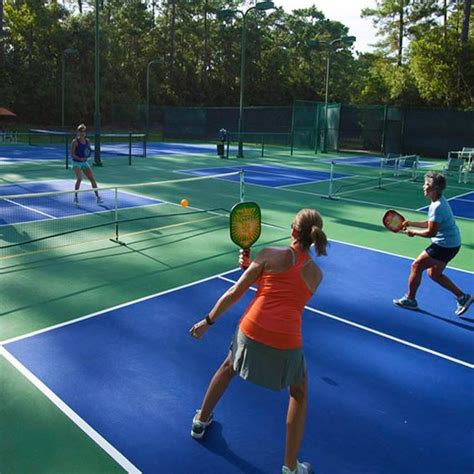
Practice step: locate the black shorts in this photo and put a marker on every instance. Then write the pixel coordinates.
(444, 254)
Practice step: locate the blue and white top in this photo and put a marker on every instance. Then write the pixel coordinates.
(448, 234)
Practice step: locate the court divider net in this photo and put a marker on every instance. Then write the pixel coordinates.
(31, 223)
(350, 177)
(128, 145)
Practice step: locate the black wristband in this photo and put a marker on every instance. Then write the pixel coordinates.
(209, 320)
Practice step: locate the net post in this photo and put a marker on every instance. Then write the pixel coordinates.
(116, 216)
(382, 161)
(331, 178)
(384, 128)
(66, 150)
(291, 142)
(130, 148)
(415, 167)
(242, 185)
(263, 146)
(227, 149)
(144, 145)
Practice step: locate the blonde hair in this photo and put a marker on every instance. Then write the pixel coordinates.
(309, 224)
(81, 127)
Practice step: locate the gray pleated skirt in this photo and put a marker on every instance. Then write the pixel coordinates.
(266, 366)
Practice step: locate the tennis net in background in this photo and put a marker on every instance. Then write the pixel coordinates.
(33, 223)
(112, 144)
(259, 144)
(351, 177)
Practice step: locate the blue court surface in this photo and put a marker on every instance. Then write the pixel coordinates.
(27, 153)
(14, 153)
(390, 390)
(268, 175)
(19, 152)
(371, 161)
(462, 205)
(167, 148)
(18, 210)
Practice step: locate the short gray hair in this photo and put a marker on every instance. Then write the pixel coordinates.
(436, 181)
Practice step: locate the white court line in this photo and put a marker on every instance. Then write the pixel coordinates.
(378, 333)
(274, 226)
(392, 254)
(461, 195)
(154, 202)
(71, 414)
(455, 198)
(99, 439)
(112, 308)
(29, 209)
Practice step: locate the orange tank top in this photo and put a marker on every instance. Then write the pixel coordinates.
(273, 317)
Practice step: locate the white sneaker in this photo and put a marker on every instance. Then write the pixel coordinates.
(464, 302)
(199, 427)
(99, 200)
(75, 201)
(407, 303)
(301, 468)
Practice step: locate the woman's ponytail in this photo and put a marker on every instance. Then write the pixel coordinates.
(319, 239)
(309, 224)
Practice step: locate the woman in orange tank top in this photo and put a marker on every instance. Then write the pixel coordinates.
(267, 346)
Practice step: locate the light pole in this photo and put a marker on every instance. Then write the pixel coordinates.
(154, 61)
(222, 14)
(97, 160)
(347, 41)
(68, 51)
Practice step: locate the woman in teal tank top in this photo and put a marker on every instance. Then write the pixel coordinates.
(446, 241)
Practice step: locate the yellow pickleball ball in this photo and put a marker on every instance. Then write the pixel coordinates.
(184, 202)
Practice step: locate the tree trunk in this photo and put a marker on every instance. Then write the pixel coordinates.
(206, 44)
(400, 32)
(1, 33)
(445, 22)
(465, 22)
(172, 38)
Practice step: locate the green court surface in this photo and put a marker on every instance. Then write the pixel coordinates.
(51, 284)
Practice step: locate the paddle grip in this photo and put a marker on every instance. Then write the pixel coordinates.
(244, 258)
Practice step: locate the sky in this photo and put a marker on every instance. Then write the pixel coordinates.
(345, 11)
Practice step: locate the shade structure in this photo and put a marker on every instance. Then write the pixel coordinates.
(6, 113)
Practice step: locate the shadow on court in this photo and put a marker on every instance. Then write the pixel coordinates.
(215, 443)
(446, 320)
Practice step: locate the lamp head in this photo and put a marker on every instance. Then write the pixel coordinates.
(226, 13)
(313, 44)
(264, 5)
(349, 40)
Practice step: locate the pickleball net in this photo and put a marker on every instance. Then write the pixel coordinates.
(356, 177)
(32, 223)
(129, 145)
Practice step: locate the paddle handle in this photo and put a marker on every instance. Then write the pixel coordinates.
(244, 258)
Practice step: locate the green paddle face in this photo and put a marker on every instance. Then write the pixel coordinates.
(245, 224)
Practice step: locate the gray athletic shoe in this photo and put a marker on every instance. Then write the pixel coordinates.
(406, 303)
(199, 427)
(463, 303)
(99, 200)
(75, 201)
(301, 468)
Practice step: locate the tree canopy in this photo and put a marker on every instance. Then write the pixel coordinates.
(425, 55)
